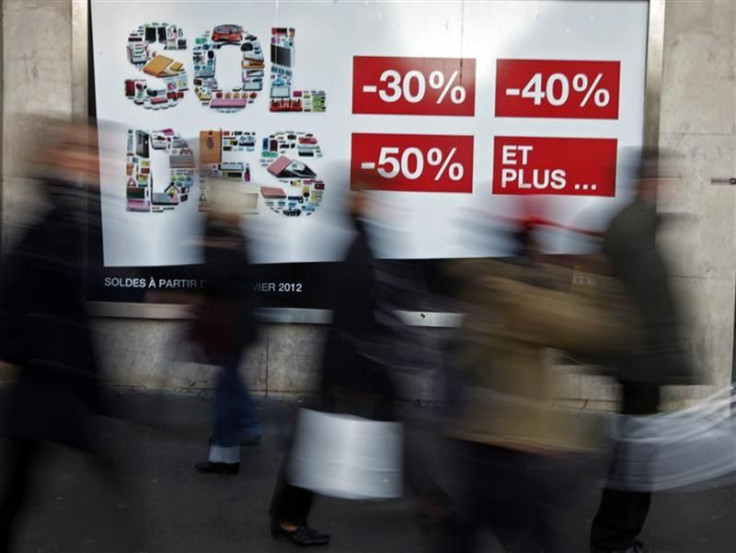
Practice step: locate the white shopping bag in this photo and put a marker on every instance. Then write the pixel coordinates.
(347, 456)
(678, 449)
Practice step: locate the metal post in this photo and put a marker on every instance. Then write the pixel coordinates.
(653, 87)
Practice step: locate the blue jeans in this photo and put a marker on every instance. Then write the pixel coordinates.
(233, 411)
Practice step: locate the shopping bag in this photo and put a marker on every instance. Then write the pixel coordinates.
(678, 449)
(347, 456)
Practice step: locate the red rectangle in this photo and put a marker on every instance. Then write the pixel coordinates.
(412, 162)
(413, 86)
(557, 88)
(279, 165)
(557, 166)
(228, 102)
(272, 193)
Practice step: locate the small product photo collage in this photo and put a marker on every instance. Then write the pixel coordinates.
(206, 86)
(141, 193)
(301, 191)
(221, 155)
(164, 80)
(283, 61)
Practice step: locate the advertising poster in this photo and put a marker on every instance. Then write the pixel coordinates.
(448, 111)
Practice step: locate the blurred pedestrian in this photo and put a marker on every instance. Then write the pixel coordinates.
(224, 325)
(513, 444)
(630, 247)
(352, 381)
(45, 328)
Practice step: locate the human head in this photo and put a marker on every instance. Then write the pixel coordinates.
(65, 163)
(227, 201)
(524, 242)
(655, 167)
(69, 152)
(359, 200)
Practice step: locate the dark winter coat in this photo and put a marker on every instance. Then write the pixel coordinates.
(636, 261)
(349, 362)
(45, 331)
(224, 322)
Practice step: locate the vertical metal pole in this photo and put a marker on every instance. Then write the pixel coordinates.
(653, 87)
(2, 129)
(80, 89)
(80, 53)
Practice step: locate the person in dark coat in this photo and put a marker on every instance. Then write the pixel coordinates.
(224, 325)
(636, 261)
(45, 328)
(352, 382)
(352, 291)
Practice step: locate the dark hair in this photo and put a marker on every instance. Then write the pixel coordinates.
(522, 241)
(652, 161)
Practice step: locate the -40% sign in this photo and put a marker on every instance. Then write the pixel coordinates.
(557, 88)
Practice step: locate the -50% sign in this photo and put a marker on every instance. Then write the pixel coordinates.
(412, 162)
(557, 88)
(413, 86)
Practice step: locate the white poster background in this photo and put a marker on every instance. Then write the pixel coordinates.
(328, 35)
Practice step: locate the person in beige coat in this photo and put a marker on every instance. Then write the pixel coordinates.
(511, 436)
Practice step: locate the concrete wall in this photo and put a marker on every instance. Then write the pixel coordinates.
(697, 123)
(36, 79)
(168, 364)
(698, 120)
(285, 360)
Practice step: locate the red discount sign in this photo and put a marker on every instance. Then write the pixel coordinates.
(557, 88)
(559, 166)
(413, 86)
(412, 162)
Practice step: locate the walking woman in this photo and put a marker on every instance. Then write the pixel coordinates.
(224, 325)
(352, 382)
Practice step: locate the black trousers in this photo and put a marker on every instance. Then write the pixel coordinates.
(621, 515)
(517, 495)
(19, 457)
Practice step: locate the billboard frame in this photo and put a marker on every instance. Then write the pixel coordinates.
(81, 55)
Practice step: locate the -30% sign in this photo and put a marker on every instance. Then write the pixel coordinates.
(557, 88)
(412, 163)
(414, 86)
